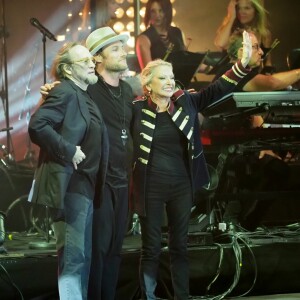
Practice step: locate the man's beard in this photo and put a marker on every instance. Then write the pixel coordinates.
(91, 79)
(116, 68)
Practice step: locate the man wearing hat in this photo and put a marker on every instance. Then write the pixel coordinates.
(114, 98)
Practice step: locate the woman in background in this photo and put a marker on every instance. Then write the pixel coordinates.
(159, 37)
(249, 15)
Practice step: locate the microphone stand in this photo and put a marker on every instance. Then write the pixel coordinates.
(4, 91)
(46, 244)
(44, 57)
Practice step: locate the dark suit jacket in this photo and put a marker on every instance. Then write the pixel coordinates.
(58, 125)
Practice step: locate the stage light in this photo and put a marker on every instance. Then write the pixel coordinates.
(174, 12)
(130, 26)
(144, 1)
(131, 42)
(61, 38)
(118, 27)
(142, 27)
(120, 12)
(142, 12)
(130, 12)
(130, 1)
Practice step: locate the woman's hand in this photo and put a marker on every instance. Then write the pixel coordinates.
(247, 49)
(231, 9)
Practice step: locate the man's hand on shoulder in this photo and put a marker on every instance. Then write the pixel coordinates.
(46, 88)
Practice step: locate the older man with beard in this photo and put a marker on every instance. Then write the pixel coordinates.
(69, 129)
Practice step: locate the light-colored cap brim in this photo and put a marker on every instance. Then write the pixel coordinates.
(107, 41)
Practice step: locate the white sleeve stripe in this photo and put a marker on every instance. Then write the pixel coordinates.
(236, 73)
(236, 67)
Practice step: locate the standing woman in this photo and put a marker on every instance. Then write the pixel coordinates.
(159, 36)
(105, 11)
(169, 165)
(249, 15)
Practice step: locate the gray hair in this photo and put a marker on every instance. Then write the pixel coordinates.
(61, 60)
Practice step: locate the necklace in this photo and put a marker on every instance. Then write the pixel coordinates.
(112, 93)
(124, 136)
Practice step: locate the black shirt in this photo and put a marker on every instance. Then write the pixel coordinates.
(159, 45)
(169, 149)
(117, 115)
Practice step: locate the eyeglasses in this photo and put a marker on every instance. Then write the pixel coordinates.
(256, 47)
(85, 60)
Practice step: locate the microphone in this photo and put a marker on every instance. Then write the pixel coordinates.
(42, 29)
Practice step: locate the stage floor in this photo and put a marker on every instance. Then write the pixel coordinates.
(264, 262)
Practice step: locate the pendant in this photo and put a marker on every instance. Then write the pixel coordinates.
(124, 136)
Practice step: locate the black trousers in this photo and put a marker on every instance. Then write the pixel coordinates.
(174, 194)
(109, 229)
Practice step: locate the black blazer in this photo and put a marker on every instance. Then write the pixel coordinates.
(57, 126)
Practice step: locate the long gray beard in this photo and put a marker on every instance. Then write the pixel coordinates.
(92, 79)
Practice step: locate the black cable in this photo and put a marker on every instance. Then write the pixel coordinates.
(239, 238)
(238, 256)
(219, 266)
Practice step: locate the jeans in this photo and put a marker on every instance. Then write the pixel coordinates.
(74, 242)
(176, 195)
(109, 228)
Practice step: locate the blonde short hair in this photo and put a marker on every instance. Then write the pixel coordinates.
(147, 72)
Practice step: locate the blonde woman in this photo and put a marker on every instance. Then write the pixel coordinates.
(169, 164)
(248, 15)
